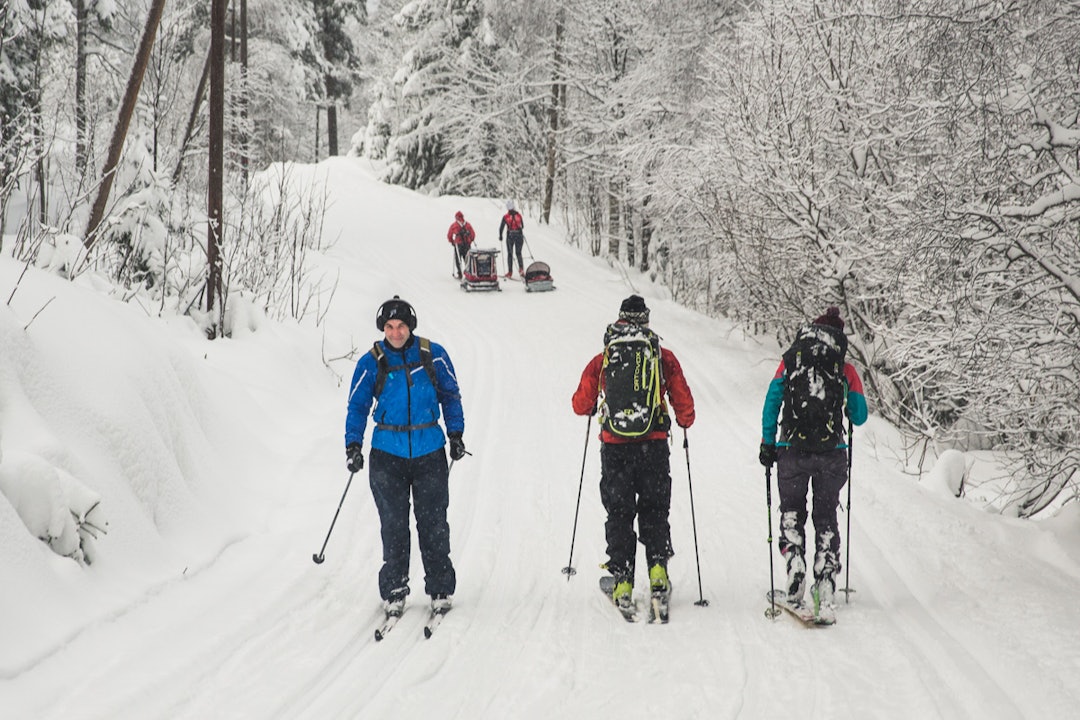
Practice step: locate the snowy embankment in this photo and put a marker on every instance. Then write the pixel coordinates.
(217, 467)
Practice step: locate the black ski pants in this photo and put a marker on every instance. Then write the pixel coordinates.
(514, 242)
(796, 472)
(393, 479)
(460, 251)
(635, 481)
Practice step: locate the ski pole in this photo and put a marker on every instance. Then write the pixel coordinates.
(772, 612)
(569, 569)
(847, 551)
(318, 557)
(702, 602)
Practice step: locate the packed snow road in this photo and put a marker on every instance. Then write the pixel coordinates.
(957, 613)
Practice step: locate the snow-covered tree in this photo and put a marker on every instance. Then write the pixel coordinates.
(443, 38)
(29, 30)
(338, 25)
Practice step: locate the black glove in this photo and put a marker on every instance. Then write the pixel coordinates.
(457, 446)
(354, 455)
(767, 454)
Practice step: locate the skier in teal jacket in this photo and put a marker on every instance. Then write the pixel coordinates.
(811, 452)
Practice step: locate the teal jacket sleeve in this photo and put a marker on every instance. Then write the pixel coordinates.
(773, 399)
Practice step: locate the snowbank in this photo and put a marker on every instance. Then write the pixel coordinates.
(105, 423)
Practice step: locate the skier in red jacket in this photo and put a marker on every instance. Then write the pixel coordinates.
(461, 236)
(513, 224)
(635, 469)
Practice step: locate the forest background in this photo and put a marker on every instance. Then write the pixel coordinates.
(916, 163)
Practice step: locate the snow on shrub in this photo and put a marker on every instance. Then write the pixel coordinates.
(55, 507)
(949, 473)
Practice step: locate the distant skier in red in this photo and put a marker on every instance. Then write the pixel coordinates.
(461, 236)
(513, 223)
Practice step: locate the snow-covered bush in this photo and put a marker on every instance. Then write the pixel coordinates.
(948, 474)
(55, 507)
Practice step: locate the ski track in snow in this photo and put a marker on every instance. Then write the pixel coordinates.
(264, 632)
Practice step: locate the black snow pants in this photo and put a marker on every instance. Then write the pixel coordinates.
(393, 479)
(461, 250)
(514, 240)
(635, 480)
(796, 472)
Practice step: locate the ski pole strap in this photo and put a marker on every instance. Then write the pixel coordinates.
(405, 428)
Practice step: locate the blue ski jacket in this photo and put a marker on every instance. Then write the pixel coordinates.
(407, 412)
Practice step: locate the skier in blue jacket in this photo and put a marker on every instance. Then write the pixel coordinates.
(407, 456)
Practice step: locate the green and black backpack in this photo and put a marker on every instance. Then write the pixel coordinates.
(632, 403)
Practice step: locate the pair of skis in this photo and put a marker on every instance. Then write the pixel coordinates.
(392, 617)
(658, 604)
(803, 613)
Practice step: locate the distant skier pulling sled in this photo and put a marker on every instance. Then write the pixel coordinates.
(480, 272)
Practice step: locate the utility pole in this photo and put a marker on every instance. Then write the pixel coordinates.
(214, 200)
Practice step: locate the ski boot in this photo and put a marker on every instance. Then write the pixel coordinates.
(441, 604)
(796, 578)
(823, 593)
(394, 607)
(660, 588)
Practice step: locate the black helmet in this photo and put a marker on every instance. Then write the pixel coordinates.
(396, 309)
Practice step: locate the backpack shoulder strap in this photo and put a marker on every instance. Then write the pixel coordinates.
(381, 365)
(427, 359)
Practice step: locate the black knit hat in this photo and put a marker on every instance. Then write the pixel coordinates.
(396, 309)
(633, 310)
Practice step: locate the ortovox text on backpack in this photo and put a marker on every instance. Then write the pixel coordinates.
(815, 390)
(631, 379)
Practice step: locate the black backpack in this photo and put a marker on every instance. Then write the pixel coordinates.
(815, 390)
(631, 380)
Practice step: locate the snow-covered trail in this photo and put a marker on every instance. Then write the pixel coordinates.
(954, 616)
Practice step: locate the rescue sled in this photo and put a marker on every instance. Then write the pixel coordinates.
(538, 277)
(480, 272)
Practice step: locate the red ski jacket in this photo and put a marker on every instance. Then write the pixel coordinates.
(673, 386)
(512, 222)
(459, 233)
